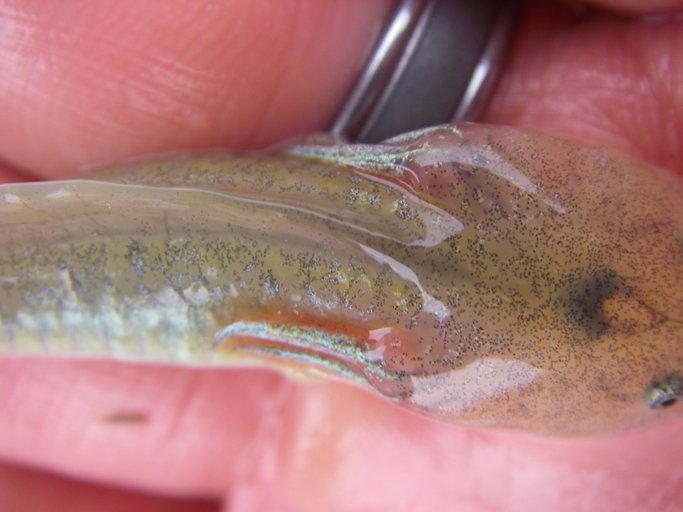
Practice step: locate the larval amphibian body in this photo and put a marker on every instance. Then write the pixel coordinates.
(485, 276)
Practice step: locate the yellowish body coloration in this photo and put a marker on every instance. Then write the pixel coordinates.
(483, 276)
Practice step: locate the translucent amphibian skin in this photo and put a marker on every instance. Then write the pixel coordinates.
(484, 276)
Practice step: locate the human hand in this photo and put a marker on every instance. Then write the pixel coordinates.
(103, 82)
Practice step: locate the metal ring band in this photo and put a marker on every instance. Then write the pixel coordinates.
(435, 63)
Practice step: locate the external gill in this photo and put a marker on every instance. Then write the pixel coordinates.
(336, 352)
(386, 159)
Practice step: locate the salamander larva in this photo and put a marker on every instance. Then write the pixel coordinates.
(487, 276)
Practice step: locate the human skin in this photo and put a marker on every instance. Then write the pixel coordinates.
(110, 81)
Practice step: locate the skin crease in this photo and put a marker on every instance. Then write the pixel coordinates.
(251, 438)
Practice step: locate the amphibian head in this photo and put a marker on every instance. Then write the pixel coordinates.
(564, 288)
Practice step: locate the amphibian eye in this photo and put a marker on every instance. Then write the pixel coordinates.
(664, 392)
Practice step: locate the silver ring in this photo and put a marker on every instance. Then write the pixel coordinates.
(436, 62)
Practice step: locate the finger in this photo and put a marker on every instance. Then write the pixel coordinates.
(85, 83)
(162, 428)
(25, 490)
(149, 86)
(267, 443)
(604, 80)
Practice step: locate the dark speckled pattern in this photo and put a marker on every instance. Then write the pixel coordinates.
(480, 275)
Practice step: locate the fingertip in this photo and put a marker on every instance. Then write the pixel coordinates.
(100, 81)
